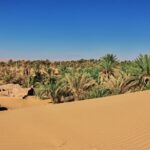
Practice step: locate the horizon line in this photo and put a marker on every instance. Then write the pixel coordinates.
(69, 59)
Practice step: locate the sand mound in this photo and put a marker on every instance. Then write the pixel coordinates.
(112, 123)
(15, 90)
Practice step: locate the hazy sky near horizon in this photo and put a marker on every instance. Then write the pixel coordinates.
(73, 29)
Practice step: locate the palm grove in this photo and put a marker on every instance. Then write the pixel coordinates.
(78, 80)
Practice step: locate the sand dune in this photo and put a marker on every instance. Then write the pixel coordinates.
(111, 123)
(17, 103)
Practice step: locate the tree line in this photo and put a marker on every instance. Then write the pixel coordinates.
(64, 81)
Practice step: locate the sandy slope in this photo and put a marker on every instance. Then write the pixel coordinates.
(17, 103)
(112, 123)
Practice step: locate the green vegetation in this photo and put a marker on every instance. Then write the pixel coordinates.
(78, 80)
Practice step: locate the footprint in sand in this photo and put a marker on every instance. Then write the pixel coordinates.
(60, 144)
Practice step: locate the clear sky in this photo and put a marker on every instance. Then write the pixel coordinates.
(73, 29)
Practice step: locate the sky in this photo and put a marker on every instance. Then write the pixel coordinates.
(74, 29)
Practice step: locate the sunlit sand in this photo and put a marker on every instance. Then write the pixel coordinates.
(112, 123)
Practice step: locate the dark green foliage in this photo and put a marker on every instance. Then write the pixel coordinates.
(93, 72)
(98, 92)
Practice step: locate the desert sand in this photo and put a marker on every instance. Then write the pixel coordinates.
(111, 123)
(18, 103)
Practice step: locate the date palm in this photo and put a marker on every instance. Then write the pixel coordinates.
(107, 65)
(51, 90)
(143, 65)
(78, 84)
(143, 62)
(119, 84)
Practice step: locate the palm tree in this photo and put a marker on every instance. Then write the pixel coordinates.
(119, 84)
(143, 62)
(107, 64)
(78, 84)
(143, 65)
(51, 90)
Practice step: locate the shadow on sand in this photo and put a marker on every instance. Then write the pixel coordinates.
(3, 108)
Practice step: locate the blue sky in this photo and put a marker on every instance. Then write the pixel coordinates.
(73, 29)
